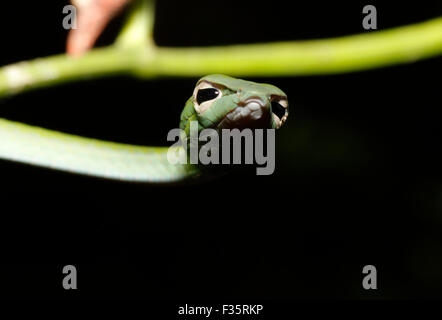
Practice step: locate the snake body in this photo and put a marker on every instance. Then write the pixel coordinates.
(216, 103)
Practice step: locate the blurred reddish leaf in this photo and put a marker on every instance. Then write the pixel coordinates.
(92, 17)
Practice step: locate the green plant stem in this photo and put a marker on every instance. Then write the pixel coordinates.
(294, 58)
(43, 72)
(138, 29)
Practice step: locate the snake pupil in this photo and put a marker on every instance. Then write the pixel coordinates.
(278, 109)
(206, 95)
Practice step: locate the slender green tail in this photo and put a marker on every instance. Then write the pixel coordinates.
(50, 149)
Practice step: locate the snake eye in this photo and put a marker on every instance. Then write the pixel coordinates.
(278, 109)
(280, 112)
(204, 95)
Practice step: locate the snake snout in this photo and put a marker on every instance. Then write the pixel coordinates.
(253, 100)
(250, 113)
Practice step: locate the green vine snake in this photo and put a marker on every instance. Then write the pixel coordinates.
(218, 102)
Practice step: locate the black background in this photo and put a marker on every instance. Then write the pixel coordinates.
(357, 178)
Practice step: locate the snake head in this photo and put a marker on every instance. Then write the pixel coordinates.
(223, 102)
